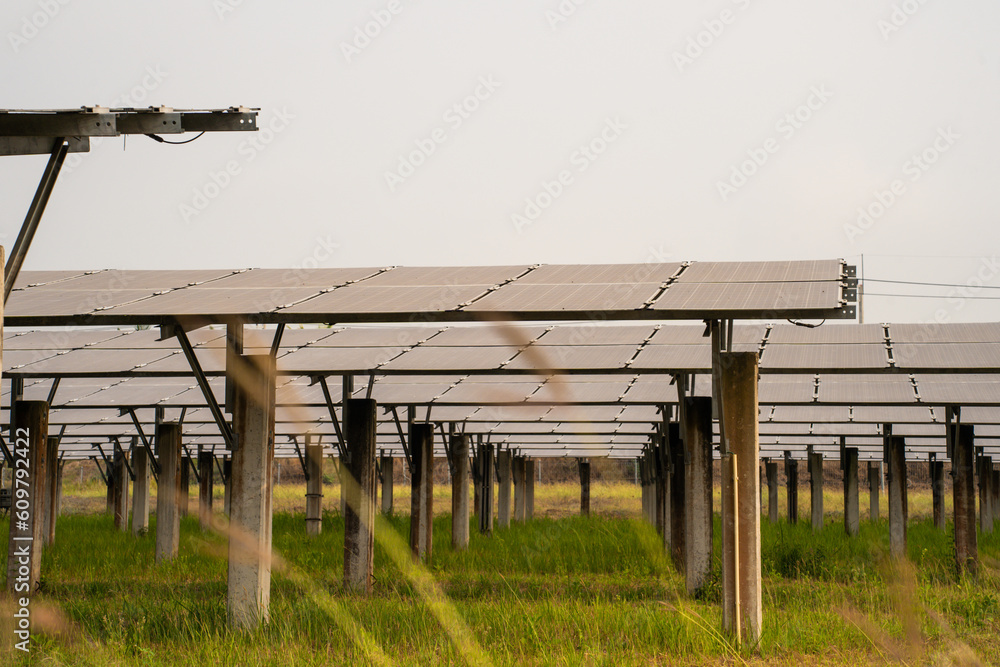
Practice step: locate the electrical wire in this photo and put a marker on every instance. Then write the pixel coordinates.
(934, 296)
(173, 143)
(913, 282)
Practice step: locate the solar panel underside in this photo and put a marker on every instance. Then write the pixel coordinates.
(849, 357)
(572, 357)
(952, 356)
(451, 358)
(866, 389)
(967, 390)
(309, 360)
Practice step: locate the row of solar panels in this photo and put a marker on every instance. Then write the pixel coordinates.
(662, 291)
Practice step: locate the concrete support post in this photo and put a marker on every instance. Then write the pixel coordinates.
(30, 426)
(816, 490)
(206, 484)
(168, 529)
(422, 490)
(852, 519)
(121, 492)
(518, 473)
(771, 471)
(937, 492)
(227, 497)
(985, 495)
(742, 598)
(995, 489)
(874, 484)
(529, 489)
(584, 467)
(249, 593)
(109, 504)
(697, 429)
(460, 453)
(966, 541)
(897, 496)
(359, 477)
(140, 491)
(387, 484)
(314, 488)
(59, 487)
(185, 492)
(487, 473)
(792, 482)
(678, 496)
(661, 491)
(341, 475)
(51, 489)
(503, 488)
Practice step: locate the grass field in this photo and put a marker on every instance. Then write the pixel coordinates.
(558, 590)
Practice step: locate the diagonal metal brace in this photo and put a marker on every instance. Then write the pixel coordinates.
(220, 419)
(341, 446)
(302, 460)
(402, 440)
(34, 216)
(121, 450)
(6, 452)
(100, 469)
(154, 464)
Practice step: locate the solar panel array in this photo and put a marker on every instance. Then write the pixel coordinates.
(618, 291)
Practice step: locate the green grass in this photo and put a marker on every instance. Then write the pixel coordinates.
(566, 590)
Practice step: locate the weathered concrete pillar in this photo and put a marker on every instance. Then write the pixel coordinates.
(741, 573)
(341, 475)
(697, 429)
(678, 496)
(140, 491)
(874, 483)
(644, 486)
(422, 490)
(30, 426)
(529, 489)
(503, 488)
(185, 492)
(168, 529)
(792, 483)
(109, 504)
(985, 495)
(771, 472)
(584, 466)
(936, 469)
(852, 519)
(314, 488)
(661, 486)
(206, 483)
(963, 489)
(121, 491)
(476, 472)
(249, 593)
(51, 488)
(227, 497)
(359, 478)
(59, 487)
(995, 490)
(387, 484)
(897, 496)
(816, 490)
(486, 492)
(460, 453)
(519, 483)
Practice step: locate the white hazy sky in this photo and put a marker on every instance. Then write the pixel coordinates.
(887, 81)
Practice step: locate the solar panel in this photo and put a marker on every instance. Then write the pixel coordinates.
(486, 335)
(555, 274)
(967, 390)
(959, 332)
(951, 356)
(572, 357)
(363, 298)
(742, 272)
(847, 357)
(582, 297)
(320, 278)
(776, 297)
(426, 358)
(685, 358)
(597, 334)
(215, 301)
(827, 334)
(866, 389)
(310, 360)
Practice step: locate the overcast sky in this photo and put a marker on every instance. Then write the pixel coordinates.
(507, 132)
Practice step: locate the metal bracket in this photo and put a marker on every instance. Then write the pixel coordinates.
(276, 343)
(298, 453)
(100, 470)
(120, 450)
(6, 452)
(449, 454)
(52, 392)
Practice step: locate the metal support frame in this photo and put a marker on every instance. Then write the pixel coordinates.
(298, 454)
(220, 419)
(34, 215)
(341, 445)
(402, 440)
(154, 463)
(449, 455)
(191, 465)
(121, 450)
(6, 452)
(276, 343)
(52, 392)
(100, 469)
